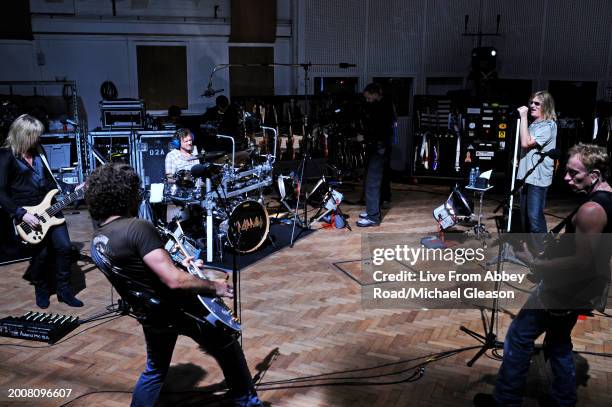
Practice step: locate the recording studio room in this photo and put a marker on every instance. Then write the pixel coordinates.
(305, 203)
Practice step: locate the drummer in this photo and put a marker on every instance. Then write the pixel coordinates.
(182, 158)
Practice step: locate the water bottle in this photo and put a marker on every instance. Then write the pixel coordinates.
(476, 174)
(471, 178)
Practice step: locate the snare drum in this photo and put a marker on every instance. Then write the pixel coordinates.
(181, 188)
(247, 226)
(184, 179)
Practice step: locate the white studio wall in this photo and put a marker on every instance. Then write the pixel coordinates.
(92, 46)
(20, 60)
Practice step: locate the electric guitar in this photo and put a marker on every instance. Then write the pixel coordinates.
(217, 313)
(45, 212)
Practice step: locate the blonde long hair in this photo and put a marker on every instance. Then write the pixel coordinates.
(24, 134)
(548, 105)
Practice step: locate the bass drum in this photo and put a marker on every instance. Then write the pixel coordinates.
(247, 226)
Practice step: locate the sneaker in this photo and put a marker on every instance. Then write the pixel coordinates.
(247, 401)
(484, 400)
(363, 215)
(364, 223)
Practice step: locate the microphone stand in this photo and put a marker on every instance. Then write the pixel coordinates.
(519, 184)
(304, 224)
(211, 186)
(488, 338)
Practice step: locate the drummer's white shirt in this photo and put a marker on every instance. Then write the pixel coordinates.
(175, 161)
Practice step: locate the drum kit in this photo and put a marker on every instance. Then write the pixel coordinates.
(219, 201)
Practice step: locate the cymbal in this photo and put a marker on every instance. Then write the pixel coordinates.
(242, 157)
(213, 155)
(209, 126)
(209, 156)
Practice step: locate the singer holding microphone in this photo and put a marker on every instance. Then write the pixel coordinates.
(537, 138)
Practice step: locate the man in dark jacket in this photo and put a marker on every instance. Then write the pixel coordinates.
(379, 121)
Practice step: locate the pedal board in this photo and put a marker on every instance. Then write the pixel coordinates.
(38, 326)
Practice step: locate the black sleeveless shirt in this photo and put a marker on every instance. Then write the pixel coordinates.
(585, 289)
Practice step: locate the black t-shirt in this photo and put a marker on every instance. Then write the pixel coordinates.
(118, 247)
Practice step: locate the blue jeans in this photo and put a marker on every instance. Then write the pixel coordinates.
(374, 177)
(58, 241)
(533, 200)
(518, 347)
(160, 345)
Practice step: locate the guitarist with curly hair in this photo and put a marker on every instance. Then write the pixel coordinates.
(131, 254)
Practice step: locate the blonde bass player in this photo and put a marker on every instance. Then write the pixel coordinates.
(24, 182)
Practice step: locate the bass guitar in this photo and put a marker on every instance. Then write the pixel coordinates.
(217, 313)
(45, 212)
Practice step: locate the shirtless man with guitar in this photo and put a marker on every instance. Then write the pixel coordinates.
(26, 194)
(574, 278)
(166, 299)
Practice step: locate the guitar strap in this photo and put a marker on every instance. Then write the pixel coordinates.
(565, 221)
(43, 157)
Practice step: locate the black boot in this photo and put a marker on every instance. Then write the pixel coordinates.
(42, 297)
(65, 295)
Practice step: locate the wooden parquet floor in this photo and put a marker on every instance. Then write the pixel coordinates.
(298, 304)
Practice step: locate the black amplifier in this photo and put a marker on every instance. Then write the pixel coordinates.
(38, 326)
(111, 146)
(122, 114)
(151, 149)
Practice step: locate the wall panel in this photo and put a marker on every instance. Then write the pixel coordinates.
(334, 32)
(521, 36)
(446, 50)
(394, 39)
(577, 39)
(18, 61)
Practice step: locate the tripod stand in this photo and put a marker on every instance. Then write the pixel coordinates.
(488, 339)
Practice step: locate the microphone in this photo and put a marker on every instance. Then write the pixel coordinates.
(345, 65)
(513, 113)
(555, 153)
(210, 92)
